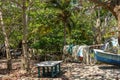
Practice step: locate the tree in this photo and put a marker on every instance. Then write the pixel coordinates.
(6, 41)
(25, 59)
(24, 5)
(101, 14)
(64, 13)
(114, 7)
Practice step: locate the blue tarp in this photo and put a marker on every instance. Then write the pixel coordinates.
(80, 52)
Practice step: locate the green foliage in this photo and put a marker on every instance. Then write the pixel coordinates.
(46, 21)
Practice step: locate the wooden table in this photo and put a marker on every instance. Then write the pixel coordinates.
(49, 68)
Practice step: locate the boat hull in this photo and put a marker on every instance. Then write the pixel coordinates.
(107, 57)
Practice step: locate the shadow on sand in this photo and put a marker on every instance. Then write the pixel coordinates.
(4, 71)
(109, 67)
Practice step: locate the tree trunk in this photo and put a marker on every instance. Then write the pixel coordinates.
(6, 41)
(63, 56)
(118, 28)
(98, 32)
(25, 57)
(116, 10)
(65, 33)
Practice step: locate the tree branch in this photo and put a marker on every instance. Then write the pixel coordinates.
(16, 3)
(30, 4)
(107, 5)
(101, 3)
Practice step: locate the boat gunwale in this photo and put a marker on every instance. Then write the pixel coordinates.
(102, 52)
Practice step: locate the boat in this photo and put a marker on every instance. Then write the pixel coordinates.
(107, 57)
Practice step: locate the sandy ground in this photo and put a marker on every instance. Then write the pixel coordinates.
(69, 71)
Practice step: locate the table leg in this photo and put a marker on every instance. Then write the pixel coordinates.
(39, 72)
(56, 69)
(47, 69)
(52, 72)
(59, 67)
(43, 71)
